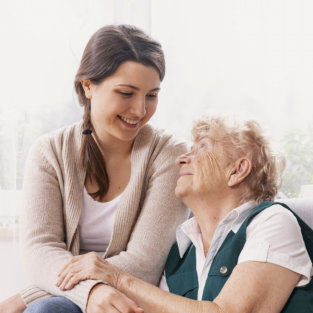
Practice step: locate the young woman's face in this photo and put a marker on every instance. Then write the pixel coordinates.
(123, 102)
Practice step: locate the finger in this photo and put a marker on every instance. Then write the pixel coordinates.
(71, 267)
(67, 276)
(61, 277)
(112, 309)
(64, 274)
(91, 272)
(66, 281)
(107, 308)
(74, 280)
(71, 261)
(88, 263)
(74, 277)
(79, 261)
(64, 267)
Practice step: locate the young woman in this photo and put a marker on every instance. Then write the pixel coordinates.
(240, 252)
(105, 184)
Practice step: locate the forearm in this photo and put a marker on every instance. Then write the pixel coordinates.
(155, 300)
(43, 261)
(79, 295)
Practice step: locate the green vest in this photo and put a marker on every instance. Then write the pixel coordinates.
(181, 273)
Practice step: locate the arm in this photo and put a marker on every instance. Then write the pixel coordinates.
(148, 246)
(160, 213)
(97, 302)
(253, 287)
(140, 258)
(43, 230)
(274, 236)
(257, 287)
(114, 301)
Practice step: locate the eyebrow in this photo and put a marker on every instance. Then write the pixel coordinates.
(136, 88)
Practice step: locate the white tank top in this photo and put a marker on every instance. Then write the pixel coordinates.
(96, 223)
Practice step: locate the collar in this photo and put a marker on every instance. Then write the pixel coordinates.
(190, 228)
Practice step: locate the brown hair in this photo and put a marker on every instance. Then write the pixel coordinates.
(245, 138)
(106, 50)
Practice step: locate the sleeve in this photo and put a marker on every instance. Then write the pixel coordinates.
(274, 236)
(42, 230)
(161, 213)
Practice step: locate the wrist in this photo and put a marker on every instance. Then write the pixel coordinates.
(123, 282)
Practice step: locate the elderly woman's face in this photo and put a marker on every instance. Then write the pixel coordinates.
(202, 170)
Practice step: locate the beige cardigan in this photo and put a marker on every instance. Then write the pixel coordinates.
(146, 218)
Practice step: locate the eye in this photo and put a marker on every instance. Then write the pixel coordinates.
(125, 93)
(199, 147)
(152, 95)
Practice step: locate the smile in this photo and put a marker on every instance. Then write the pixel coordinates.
(128, 122)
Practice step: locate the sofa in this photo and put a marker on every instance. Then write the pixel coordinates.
(302, 207)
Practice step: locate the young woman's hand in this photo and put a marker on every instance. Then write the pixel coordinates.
(87, 266)
(14, 304)
(103, 298)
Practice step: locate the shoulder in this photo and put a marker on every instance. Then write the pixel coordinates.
(277, 226)
(65, 136)
(61, 136)
(275, 216)
(57, 143)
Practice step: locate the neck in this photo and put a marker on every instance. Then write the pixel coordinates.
(209, 211)
(113, 147)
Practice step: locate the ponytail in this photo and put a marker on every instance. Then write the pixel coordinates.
(92, 159)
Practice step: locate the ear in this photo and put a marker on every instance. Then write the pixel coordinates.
(242, 168)
(87, 86)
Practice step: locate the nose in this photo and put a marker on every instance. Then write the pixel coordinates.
(138, 107)
(183, 159)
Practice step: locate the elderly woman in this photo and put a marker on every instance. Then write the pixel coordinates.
(240, 252)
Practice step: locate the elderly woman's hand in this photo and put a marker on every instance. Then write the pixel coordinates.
(88, 266)
(104, 298)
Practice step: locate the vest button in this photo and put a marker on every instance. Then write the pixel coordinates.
(223, 270)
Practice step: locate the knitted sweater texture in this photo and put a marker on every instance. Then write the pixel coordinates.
(147, 215)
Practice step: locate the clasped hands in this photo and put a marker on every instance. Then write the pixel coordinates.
(88, 266)
(103, 296)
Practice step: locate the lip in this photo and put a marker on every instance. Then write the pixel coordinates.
(128, 125)
(184, 174)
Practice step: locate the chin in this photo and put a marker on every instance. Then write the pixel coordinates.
(128, 136)
(180, 193)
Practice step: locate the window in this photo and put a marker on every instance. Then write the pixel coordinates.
(41, 46)
(252, 56)
(244, 56)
